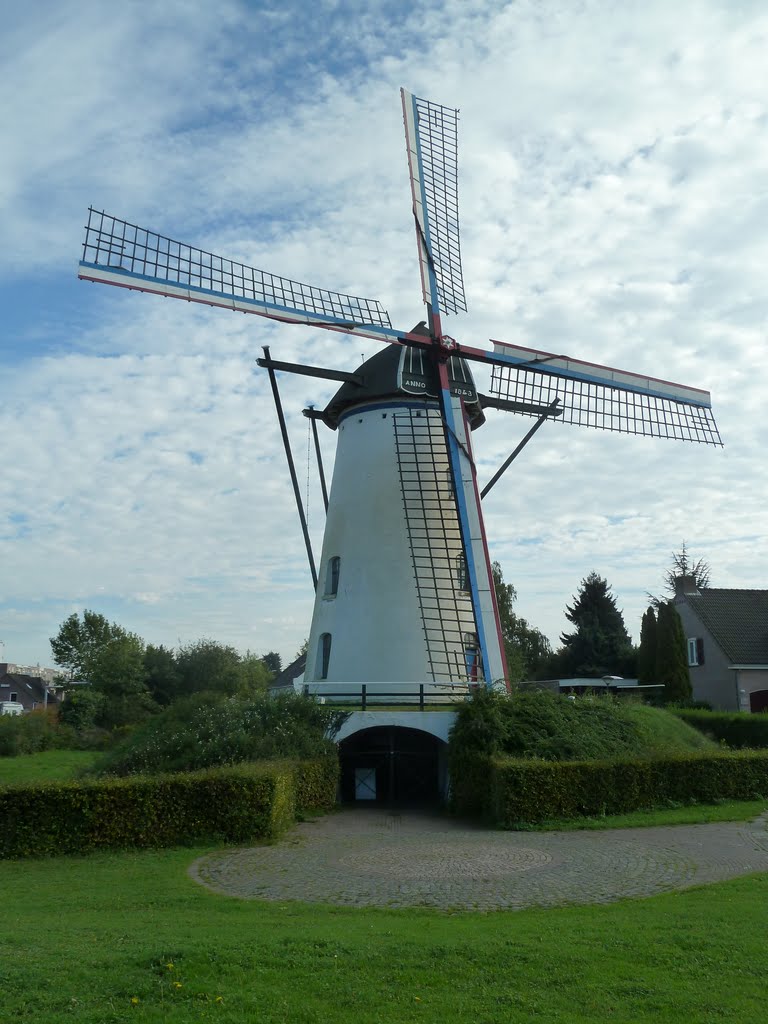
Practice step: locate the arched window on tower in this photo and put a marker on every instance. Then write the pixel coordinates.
(323, 655)
(332, 576)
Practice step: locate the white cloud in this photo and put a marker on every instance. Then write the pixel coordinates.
(613, 207)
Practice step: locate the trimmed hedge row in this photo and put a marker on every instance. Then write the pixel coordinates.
(316, 783)
(231, 804)
(736, 728)
(512, 791)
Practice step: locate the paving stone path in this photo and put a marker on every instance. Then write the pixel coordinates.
(371, 857)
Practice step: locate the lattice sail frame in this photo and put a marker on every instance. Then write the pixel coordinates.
(597, 396)
(431, 132)
(117, 252)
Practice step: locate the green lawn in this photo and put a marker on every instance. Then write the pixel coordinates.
(696, 814)
(82, 938)
(49, 765)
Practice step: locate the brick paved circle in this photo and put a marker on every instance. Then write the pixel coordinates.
(371, 857)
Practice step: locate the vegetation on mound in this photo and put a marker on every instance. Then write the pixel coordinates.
(546, 725)
(208, 731)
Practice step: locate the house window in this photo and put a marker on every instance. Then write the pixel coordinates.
(14, 696)
(323, 655)
(332, 577)
(695, 651)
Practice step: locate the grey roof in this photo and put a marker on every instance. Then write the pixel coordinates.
(284, 681)
(738, 621)
(34, 685)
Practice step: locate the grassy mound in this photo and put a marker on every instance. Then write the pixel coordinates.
(546, 725)
(209, 731)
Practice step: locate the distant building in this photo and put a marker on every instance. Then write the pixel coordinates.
(30, 691)
(47, 674)
(727, 644)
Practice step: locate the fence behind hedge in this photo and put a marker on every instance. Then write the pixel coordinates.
(512, 791)
(232, 804)
(736, 729)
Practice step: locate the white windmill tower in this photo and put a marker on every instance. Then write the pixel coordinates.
(405, 589)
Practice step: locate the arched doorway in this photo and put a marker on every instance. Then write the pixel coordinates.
(392, 765)
(758, 700)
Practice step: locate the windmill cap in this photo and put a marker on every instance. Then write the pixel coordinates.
(404, 373)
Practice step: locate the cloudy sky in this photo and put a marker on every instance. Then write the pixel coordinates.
(614, 204)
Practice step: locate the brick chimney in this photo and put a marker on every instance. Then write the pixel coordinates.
(685, 586)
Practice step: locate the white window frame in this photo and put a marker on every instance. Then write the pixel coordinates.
(693, 652)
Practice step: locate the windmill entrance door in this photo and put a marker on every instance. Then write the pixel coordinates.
(391, 765)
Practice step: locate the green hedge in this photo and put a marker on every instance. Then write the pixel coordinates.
(511, 791)
(316, 783)
(233, 804)
(736, 729)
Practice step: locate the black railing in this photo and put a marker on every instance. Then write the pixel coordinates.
(367, 694)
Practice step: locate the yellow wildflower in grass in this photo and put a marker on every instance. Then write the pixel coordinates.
(134, 1000)
(219, 999)
(177, 984)
(169, 966)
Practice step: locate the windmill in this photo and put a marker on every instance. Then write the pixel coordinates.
(405, 588)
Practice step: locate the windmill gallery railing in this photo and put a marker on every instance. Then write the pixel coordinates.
(365, 695)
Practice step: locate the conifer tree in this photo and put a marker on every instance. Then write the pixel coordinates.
(646, 659)
(600, 644)
(671, 660)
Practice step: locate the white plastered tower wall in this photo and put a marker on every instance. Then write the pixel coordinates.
(400, 613)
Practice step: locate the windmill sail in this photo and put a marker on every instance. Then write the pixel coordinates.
(431, 133)
(116, 252)
(597, 396)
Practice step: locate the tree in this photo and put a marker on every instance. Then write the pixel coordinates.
(671, 655)
(112, 660)
(526, 647)
(273, 661)
(163, 676)
(79, 641)
(646, 659)
(255, 675)
(600, 644)
(210, 665)
(684, 565)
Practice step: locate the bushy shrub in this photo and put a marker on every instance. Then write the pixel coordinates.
(537, 723)
(736, 729)
(32, 732)
(516, 791)
(208, 731)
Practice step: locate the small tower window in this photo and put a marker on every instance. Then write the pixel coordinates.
(332, 576)
(323, 655)
(472, 657)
